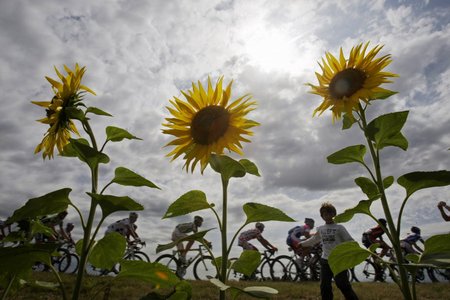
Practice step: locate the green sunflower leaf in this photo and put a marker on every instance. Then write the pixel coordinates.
(347, 255)
(250, 167)
(226, 166)
(18, 261)
(368, 187)
(383, 94)
(48, 204)
(191, 201)
(111, 204)
(415, 181)
(151, 273)
(70, 151)
(124, 176)
(385, 130)
(259, 213)
(437, 251)
(198, 236)
(347, 121)
(247, 262)
(97, 111)
(363, 207)
(75, 113)
(108, 251)
(116, 134)
(348, 155)
(87, 154)
(388, 181)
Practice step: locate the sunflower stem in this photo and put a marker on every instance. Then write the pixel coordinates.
(394, 236)
(87, 243)
(223, 269)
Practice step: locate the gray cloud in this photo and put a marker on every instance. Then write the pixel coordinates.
(140, 54)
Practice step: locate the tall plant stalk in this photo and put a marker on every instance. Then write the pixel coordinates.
(393, 231)
(223, 268)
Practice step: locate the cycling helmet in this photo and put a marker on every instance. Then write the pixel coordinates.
(382, 221)
(70, 225)
(259, 225)
(198, 219)
(309, 221)
(415, 229)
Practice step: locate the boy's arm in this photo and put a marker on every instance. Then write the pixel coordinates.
(313, 240)
(345, 236)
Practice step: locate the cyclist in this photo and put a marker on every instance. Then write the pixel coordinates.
(66, 234)
(52, 222)
(181, 231)
(409, 244)
(125, 227)
(375, 235)
(255, 233)
(295, 234)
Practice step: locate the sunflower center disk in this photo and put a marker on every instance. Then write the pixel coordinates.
(209, 124)
(346, 83)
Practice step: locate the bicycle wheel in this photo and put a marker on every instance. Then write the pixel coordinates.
(284, 268)
(371, 272)
(312, 272)
(205, 268)
(169, 261)
(68, 263)
(353, 277)
(142, 256)
(265, 270)
(439, 275)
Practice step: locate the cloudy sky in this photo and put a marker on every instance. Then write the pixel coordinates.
(139, 54)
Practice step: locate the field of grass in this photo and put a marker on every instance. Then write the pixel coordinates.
(104, 288)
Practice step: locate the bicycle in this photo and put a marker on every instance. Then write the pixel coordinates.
(133, 252)
(204, 266)
(264, 270)
(376, 271)
(298, 267)
(69, 261)
(63, 262)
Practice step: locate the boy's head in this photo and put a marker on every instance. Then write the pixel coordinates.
(327, 212)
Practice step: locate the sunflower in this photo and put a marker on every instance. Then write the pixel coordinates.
(344, 82)
(207, 123)
(68, 94)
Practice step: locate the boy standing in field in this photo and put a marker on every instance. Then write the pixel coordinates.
(330, 235)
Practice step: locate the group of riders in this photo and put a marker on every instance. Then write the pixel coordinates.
(127, 227)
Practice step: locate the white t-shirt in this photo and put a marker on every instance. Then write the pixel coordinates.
(330, 235)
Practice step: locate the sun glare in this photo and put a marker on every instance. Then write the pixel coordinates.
(271, 50)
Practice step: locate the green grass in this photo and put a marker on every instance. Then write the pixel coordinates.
(95, 287)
